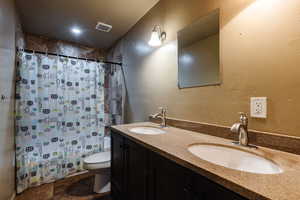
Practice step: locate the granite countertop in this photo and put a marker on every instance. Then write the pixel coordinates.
(174, 145)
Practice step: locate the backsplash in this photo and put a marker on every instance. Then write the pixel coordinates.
(271, 140)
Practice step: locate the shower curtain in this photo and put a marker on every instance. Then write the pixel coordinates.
(59, 116)
(115, 94)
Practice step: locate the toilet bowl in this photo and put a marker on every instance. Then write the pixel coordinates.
(99, 163)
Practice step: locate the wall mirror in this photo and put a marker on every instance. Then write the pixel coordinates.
(198, 52)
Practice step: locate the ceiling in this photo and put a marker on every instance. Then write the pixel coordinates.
(55, 18)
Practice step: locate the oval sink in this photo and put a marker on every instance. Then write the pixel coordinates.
(234, 158)
(147, 130)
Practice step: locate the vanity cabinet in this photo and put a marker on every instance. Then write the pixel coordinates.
(136, 164)
(167, 179)
(202, 188)
(129, 163)
(138, 173)
(117, 165)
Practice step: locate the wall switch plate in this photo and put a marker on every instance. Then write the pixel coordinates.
(258, 107)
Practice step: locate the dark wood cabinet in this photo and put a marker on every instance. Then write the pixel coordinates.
(141, 174)
(136, 171)
(204, 189)
(168, 180)
(117, 166)
(128, 169)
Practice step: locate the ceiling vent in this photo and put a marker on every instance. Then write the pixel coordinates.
(103, 27)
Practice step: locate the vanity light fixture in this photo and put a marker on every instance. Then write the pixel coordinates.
(157, 36)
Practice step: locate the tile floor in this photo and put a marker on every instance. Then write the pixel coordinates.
(78, 187)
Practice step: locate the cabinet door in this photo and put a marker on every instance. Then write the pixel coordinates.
(204, 189)
(215, 191)
(117, 164)
(168, 180)
(136, 171)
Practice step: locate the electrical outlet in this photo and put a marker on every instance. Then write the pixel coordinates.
(258, 107)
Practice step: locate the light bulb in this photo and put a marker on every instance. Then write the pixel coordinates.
(76, 31)
(155, 39)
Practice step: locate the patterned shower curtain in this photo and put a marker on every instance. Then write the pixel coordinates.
(59, 116)
(115, 94)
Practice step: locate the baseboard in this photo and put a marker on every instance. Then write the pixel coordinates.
(13, 196)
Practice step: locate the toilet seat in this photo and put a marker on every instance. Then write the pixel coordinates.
(97, 161)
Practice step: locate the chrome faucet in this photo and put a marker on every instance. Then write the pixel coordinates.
(242, 129)
(161, 115)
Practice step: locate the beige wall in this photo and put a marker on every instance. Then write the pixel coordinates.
(7, 63)
(260, 56)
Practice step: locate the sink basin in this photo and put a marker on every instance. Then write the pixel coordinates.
(234, 158)
(147, 130)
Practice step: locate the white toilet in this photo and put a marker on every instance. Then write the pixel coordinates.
(99, 163)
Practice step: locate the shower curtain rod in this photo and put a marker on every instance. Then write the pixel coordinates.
(54, 54)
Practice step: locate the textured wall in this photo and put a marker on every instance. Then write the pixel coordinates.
(7, 74)
(44, 44)
(260, 56)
